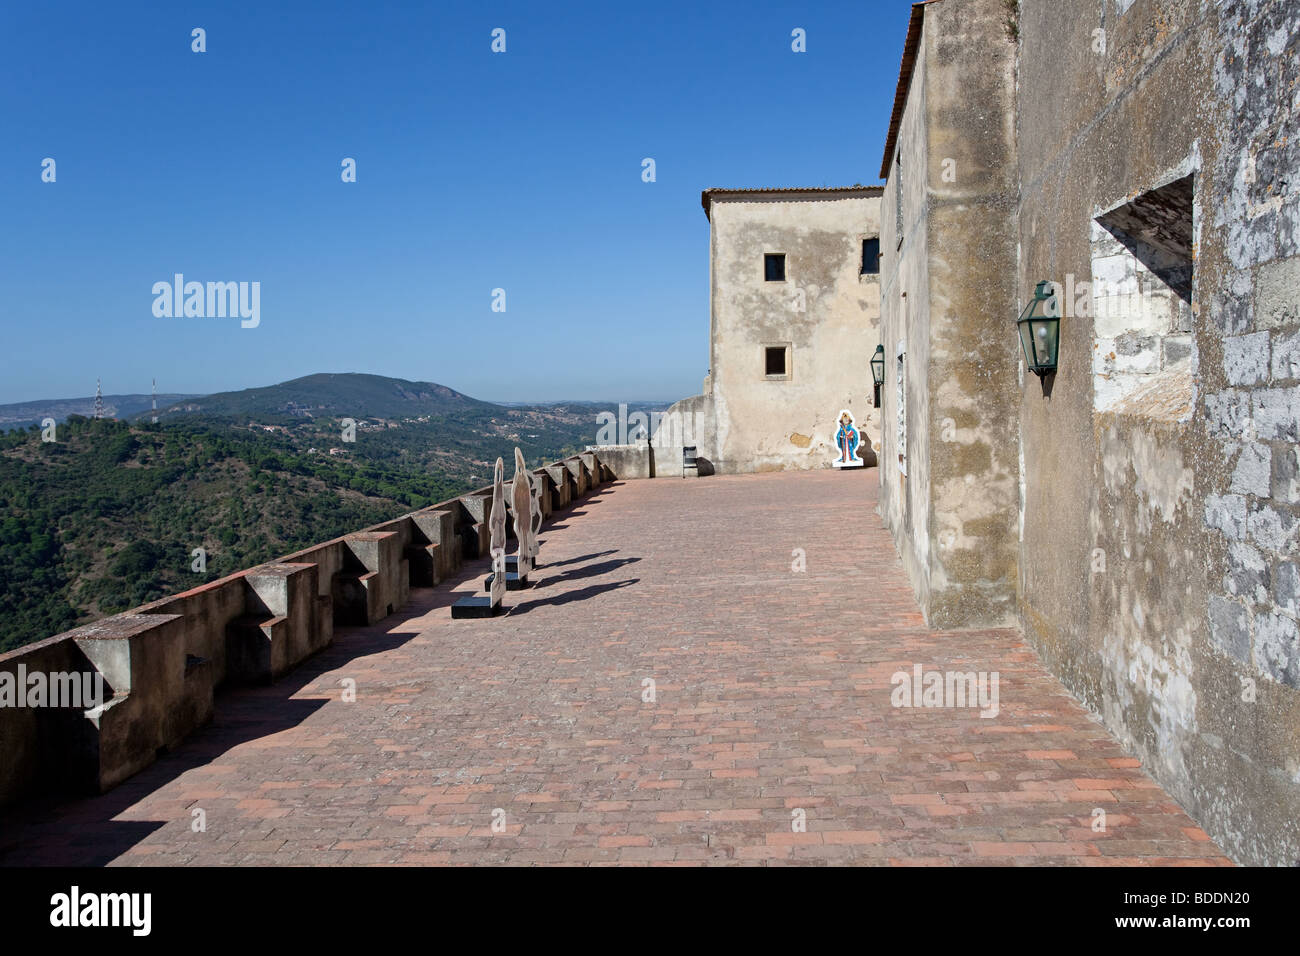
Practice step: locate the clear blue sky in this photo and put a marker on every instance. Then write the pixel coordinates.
(475, 171)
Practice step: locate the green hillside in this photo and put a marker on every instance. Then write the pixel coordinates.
(107, 517)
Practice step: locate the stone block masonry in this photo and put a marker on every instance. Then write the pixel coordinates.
(1159, 543)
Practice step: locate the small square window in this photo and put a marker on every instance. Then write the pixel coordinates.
(774, 267)
(774, 356)
(871, 257)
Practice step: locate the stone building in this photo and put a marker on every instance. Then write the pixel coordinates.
(794, 311)
(1135, 510)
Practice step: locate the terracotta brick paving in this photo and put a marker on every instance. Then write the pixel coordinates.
(772, 695)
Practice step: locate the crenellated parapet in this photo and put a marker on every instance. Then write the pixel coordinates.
(116, 692)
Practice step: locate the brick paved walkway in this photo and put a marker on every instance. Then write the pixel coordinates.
(772, 696)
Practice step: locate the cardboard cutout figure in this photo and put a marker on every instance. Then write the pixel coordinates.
(497, 529)
(521, 498)
(847, 440)
(536, 524)
(478, 605)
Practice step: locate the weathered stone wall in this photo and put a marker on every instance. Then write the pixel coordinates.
(825, 311)
(1158, 573)
(972, 236)
(905, 323)
(949, 302)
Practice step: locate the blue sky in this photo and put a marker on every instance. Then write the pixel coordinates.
(475, 171)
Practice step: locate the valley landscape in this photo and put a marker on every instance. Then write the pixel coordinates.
(110, 513)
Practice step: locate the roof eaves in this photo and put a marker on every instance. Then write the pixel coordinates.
(910, 46)
(707, 195)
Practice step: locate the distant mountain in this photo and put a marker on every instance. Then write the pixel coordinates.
(25, 414)
(331, 395)
(419, 427)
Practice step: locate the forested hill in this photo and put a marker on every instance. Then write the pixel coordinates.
(107, 517)
(334, 395)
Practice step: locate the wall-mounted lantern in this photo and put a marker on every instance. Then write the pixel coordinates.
(878, 370)
(1040, 330)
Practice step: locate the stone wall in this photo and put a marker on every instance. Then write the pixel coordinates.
(690, 422)
(1158, 564)
(904, 333)
(949, 473)
(1141, 156)
(161, 664)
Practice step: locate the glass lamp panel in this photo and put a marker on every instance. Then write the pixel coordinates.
(1027, 343)
(1048, 334)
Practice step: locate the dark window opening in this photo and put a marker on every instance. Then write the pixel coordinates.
(775, 360)
(774, 266)
(1157, 228)
(871, 257)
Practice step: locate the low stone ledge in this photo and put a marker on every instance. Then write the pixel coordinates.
(281, 626)
(433, 553)
(625, 462)
(595, 473)
(546, 487)
(42, 749)
(207, 609)
(580, 476)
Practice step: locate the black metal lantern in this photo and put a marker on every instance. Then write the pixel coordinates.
(1040, 330)
(878, 370)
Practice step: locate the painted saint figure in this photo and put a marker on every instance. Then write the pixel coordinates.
(847, 439)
